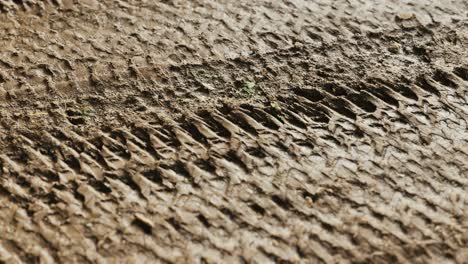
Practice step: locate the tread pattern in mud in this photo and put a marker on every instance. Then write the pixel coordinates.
(26, 5)
(322, 140)
(58, 49)
(323, 175)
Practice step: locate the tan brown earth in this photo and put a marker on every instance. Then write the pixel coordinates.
(247, 131)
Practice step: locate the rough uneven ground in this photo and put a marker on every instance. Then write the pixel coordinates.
(233, 131)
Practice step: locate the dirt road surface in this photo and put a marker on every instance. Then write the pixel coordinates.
(247, 131)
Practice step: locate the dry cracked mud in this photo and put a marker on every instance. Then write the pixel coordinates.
(246, 131)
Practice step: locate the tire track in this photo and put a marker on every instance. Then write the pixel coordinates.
(249, 157)
(59, 50)
(329, 143)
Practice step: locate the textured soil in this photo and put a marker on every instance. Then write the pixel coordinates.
(247, 131)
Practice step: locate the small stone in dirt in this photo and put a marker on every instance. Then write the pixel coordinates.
(394, 47)
(276, 106)
(405, 15)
